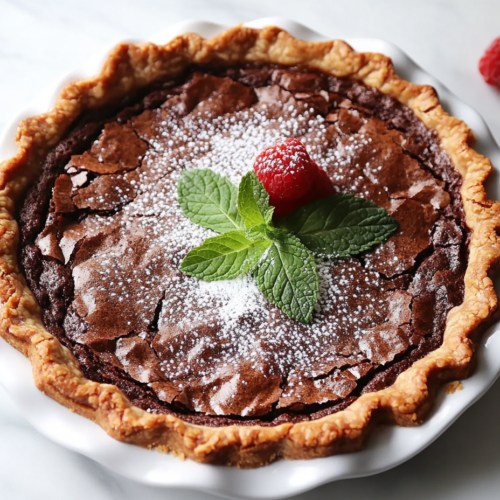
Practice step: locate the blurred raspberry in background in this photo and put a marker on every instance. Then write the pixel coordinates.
(489, 65)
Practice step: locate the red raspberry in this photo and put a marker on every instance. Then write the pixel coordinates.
(286, 170)
(489, 65)
(321, 188)
(291, 177)
(282, 208)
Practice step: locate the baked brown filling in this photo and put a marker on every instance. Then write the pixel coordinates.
(103, 238)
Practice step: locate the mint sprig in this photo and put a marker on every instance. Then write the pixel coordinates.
(280, 259)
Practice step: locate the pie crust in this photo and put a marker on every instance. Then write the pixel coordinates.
(407, 402)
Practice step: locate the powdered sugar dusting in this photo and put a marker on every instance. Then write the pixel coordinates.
(204, 328)
(238, 297)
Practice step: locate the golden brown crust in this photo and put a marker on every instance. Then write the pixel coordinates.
(406, 402)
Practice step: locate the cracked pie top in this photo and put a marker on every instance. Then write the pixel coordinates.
(246, 248)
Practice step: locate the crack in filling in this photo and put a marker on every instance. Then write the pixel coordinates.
(101, 251)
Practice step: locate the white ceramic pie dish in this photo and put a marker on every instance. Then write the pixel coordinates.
(386, 449)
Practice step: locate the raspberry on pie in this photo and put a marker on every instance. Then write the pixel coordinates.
(291, 177)
(213, 371)
(286, 170)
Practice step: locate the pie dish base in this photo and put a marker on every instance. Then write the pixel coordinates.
(490, 155)
(388, 447)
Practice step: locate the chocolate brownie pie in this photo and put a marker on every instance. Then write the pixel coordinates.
(93, 237)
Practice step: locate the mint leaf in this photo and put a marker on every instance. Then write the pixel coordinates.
(259, 232)
(224, 257)
(209, 200)
(253, 201)
(340, 225)
(287, 276)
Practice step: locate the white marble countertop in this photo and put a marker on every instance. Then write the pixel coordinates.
(42, 40)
